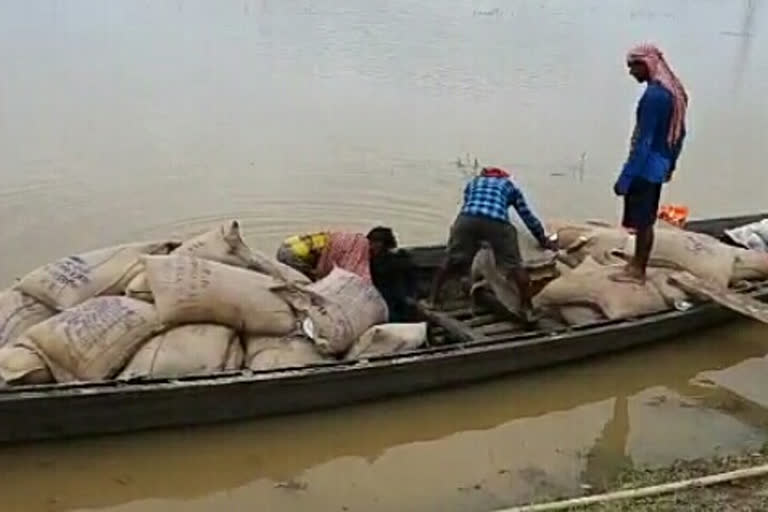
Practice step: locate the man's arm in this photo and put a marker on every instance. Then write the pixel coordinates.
(649, 111)
(676, 149)
(517, 200)
(466, 191)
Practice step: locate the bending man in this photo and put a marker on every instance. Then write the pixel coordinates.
(484, 216)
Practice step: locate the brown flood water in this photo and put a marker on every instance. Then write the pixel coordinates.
(129, 120)
(476, 448)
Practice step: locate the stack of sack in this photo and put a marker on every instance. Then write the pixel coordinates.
(168, 309)
(594, 251)
(752, 236)
(587, 294)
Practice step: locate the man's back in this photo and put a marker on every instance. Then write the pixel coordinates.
(651, 156)
(657, 102)
(488, 197)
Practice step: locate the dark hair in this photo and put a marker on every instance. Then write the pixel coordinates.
(383, 235)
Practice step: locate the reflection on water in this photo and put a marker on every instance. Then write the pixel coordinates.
(128, 120)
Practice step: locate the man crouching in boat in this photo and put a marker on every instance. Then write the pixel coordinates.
(374, 257)
(484, 216)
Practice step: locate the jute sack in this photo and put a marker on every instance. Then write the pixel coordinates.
(600, 244)
(19, 312)
(580, 315)
(485, 273)
(531, 252)
(269, 353)
(21, 365)
(592, 286)
(193, 290)
(568, 232)
(139, 288)
(94, 340)
(69, 281)
(194, 349)
(749, 264)
(280, 271)
(223, 244)
(753, 235)
(389, 339)
(658, 278)
(338, 309)
(590, 238)
(702, 255)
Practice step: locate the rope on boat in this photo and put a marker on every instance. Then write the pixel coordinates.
(642, 492)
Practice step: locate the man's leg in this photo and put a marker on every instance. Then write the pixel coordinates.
(503, 238)
(461, 244)
(446, 271)
(641, 206)
(643, 246)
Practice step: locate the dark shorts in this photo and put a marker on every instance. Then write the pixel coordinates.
(468, 231)
(641, 204)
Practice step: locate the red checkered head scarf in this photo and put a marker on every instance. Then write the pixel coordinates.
(494, 172)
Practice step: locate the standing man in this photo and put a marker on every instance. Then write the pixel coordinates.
(484, 216)
(656, 144)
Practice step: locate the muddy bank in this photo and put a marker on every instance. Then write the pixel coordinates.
(743, 495)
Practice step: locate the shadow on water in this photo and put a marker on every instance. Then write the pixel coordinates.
(195, 462)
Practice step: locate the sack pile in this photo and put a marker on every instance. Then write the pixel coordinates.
(195, 349)
(336, 310)
(590, 288)
(752, 236)
(171, 309)
(594, 251)
(702, 255)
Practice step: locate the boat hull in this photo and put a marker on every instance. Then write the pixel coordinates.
(68, 410)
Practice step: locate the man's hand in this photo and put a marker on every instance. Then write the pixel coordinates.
(668, 178)
(617, 189)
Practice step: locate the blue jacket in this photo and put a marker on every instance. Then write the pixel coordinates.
(650, 156)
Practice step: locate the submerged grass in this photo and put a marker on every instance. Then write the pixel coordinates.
(749, 494)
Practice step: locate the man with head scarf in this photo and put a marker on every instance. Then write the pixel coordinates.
(315, 254)
(656, 144)
(373, 256)
(484, 217)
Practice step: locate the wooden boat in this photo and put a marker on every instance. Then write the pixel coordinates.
(491, 347)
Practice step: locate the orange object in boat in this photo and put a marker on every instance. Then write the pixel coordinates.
(675, 214)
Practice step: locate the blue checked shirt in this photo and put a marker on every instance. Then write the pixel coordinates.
(491, 198)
